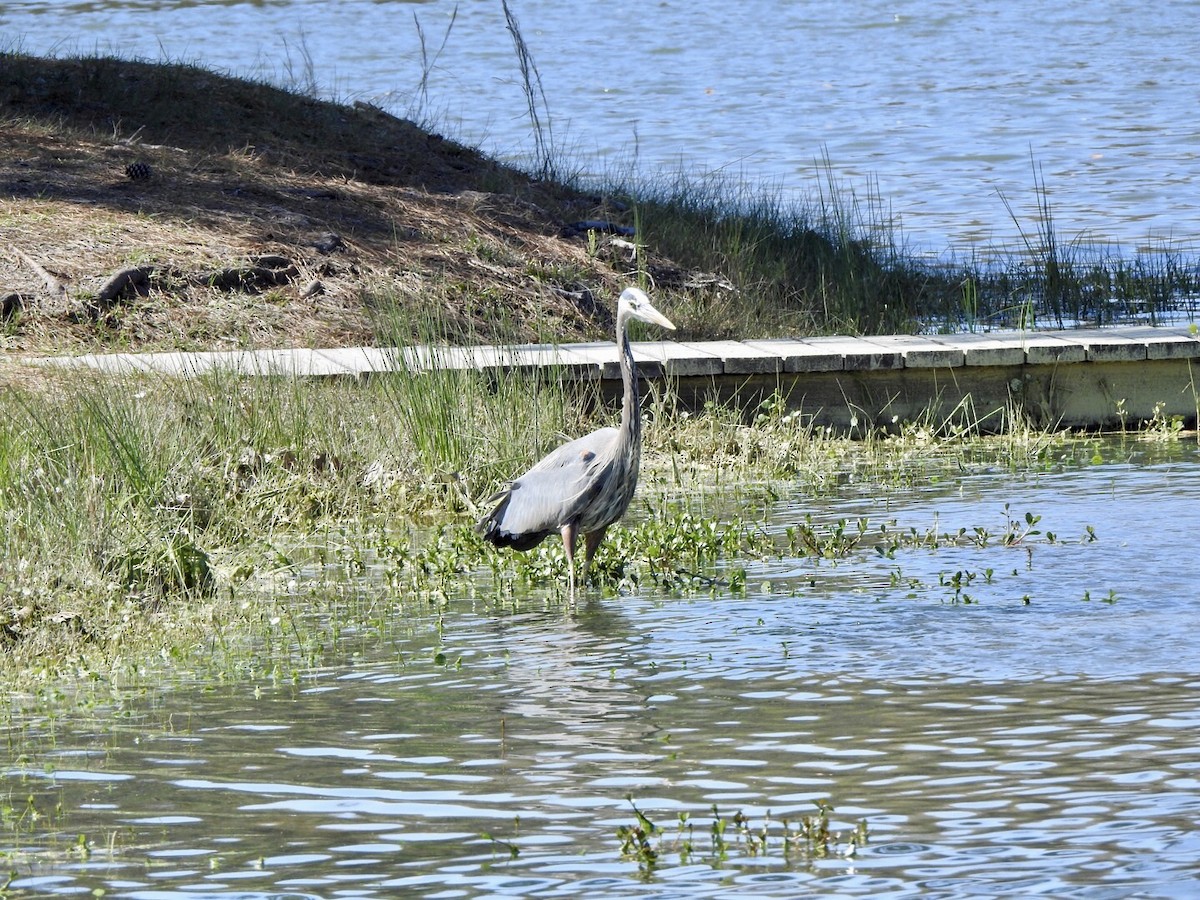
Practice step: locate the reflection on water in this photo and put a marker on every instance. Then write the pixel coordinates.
(995, 747)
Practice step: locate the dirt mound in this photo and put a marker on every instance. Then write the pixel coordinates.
(155, 206)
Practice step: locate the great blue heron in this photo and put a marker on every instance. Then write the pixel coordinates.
(585, 485)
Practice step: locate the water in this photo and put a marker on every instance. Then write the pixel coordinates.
(942, 108)
(1028, 742)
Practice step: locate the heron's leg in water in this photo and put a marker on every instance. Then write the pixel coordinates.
(591, 543)
(568, 536)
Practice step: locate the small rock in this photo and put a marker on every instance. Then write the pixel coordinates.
(273, 261)
(329, 242)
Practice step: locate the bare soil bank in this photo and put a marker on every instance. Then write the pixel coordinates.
(156, 206)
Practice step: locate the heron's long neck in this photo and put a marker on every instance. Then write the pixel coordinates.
(631, 416)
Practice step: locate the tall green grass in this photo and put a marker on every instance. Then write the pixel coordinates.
(836, 264)
(465, 427)
(123, 498)
(839, 263)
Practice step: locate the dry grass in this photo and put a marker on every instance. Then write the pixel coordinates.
(245, 175)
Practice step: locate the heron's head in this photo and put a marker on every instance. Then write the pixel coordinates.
(634, 304)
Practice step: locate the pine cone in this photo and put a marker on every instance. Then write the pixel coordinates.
(138, 171)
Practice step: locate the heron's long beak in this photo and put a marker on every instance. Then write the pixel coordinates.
(648, 313)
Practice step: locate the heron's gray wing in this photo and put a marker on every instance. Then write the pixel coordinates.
(542, 501)
(577, 451)
(552, 493)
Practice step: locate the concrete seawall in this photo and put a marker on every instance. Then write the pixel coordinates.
(1092, 378)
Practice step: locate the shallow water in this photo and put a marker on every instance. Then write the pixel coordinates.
(995, 748)
(942, 108)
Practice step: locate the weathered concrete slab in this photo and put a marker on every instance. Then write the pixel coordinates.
(104, 363)
(603, 358)
(679, 360)
(303, 363)
(553, 356)
(1106, 347)
(190, 365)
(324, 365)
(1089, 377)
(598, 355)
(358, 361)
(299, 363)
(738, 358)
(423, 358)
(920, 352)
(1047, 349)
(1162, 343)
(858, 355)
(524, 358)
(801, 355)
(531, 357)
(985, 349)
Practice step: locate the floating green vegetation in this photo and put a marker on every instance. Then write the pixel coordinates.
(730, 838)
(669, 548)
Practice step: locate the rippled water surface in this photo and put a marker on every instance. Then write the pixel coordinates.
(1039, 739)
(938, 106)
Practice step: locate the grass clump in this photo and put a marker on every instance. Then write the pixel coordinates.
(836, 266)
(129, 504)
(840, 264)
